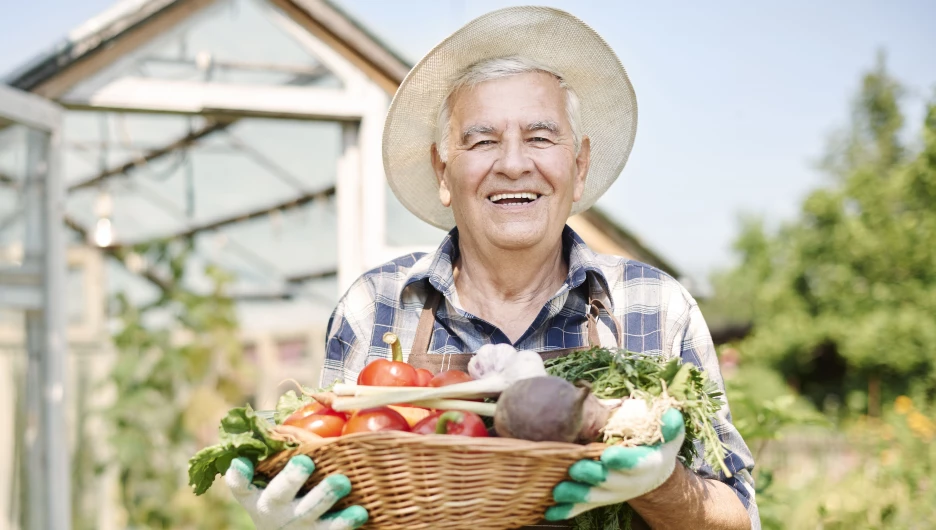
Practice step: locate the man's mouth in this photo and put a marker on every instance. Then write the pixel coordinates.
(513, 198)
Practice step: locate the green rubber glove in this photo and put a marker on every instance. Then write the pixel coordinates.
(623, 473)
(276, 506)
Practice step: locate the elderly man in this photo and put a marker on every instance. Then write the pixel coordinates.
(515, 122)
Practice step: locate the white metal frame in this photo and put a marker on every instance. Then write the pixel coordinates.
(90, 329)
(36, 287)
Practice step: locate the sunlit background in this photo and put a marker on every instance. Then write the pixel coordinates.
(221, 160)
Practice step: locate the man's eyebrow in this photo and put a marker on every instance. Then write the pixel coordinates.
(543, 125)
(476, 129)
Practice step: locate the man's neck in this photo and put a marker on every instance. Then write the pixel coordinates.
(508, 287)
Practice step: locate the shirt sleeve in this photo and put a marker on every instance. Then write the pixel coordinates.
(348, 334)
(693, 343)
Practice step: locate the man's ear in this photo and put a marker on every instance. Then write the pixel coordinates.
(582, 161)
(445, 195)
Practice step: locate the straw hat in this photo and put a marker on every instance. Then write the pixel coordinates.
(548, 36)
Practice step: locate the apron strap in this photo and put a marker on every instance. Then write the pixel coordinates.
(423, 336)
(595, 305)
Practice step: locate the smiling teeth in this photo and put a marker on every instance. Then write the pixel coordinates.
(502, 196)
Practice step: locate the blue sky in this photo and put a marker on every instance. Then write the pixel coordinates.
(737, 99)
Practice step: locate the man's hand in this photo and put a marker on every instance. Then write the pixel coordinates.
(623, 473)
(277, 508)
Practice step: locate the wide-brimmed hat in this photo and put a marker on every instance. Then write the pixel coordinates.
(547, 36)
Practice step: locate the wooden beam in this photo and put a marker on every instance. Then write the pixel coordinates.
(311, 276)
(121, 256)
(98, 51)
(241, 217)
(154, 154)
(288, 293)
(337, 31)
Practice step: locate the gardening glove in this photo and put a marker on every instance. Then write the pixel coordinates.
(622, 474)
(276, 506)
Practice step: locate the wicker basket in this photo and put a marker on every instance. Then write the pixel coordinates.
(408, 481)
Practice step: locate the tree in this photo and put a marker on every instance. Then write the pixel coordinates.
(844, 297)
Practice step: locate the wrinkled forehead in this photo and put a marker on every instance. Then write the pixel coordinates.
(538, 94)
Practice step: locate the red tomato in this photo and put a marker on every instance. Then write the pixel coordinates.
(387, 373)
(423, 377)
(450, 377)
(307, 410)
(324, 425)
(376, 419)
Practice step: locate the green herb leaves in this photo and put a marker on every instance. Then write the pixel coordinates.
(617, 373)
(243, 433)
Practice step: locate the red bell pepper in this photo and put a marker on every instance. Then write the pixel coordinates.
(389, 373)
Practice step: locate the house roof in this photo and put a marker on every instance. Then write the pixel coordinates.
(626, 240)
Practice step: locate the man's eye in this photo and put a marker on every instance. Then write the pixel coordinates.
(539, 139)
(483, 142)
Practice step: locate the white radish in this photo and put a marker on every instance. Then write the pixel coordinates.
(637, 422)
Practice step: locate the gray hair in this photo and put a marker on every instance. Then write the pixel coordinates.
(499, 68)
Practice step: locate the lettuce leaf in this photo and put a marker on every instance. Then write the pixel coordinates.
(289, 403)
(243, 433)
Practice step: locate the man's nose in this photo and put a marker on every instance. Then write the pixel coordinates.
(514, 161)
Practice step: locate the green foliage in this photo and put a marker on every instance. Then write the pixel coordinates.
(616, 373)
(243, 434)
(880, 476)
(764, 408)
(855, 274)
(842, 301)
(173, 382)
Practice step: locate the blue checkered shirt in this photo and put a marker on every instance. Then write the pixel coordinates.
(655, 313)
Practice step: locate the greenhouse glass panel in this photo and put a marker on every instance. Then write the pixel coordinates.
(232, 41)
(263, 186)
(405, 229)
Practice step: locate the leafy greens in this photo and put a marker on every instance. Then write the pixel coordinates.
(243, 433)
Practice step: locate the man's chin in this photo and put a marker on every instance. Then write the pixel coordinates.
(516, 237)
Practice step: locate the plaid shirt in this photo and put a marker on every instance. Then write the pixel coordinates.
(655, 313)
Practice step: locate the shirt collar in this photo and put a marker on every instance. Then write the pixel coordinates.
(583, 265)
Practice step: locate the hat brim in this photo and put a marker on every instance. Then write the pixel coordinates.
(548, 36)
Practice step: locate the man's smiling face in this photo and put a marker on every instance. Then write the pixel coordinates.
(512, 172)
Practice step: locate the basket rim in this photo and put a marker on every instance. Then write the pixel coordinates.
(437, 442)
(493, 443)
